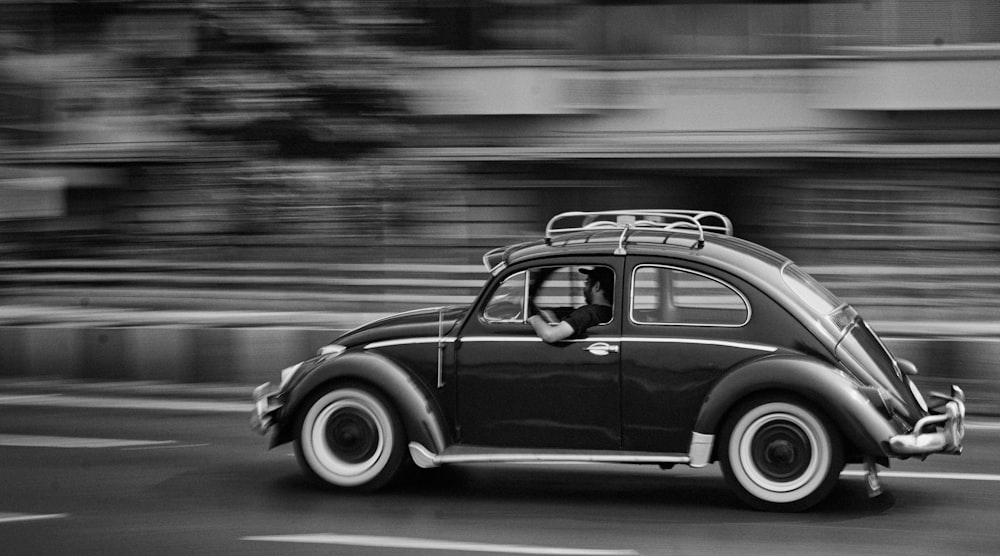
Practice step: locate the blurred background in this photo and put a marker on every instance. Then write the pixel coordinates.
(180, 167)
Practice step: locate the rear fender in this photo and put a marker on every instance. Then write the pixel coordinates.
(420, 414)
(826, 386)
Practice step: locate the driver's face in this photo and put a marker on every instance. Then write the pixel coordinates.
(588, 292)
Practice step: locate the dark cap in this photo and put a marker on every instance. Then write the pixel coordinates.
(602, 275)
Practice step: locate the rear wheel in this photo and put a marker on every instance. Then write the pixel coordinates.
(780, 454)
(350, 437)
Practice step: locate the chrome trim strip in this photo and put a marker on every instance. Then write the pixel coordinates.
(559, 458)
(526, 338)
(628, 339)
(501, 339)
(723, 343)
(424, 458)
(535, 339)
(407, 342)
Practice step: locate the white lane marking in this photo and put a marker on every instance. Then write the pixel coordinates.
(168, 447)
(409, 543)
(927, 475)
(59, 400)
(30, 441)
(982, 425)
(10, 518)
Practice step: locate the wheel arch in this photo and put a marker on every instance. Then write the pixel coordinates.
(421, 416)
(864, 428)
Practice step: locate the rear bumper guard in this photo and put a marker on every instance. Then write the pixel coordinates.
(939, 433)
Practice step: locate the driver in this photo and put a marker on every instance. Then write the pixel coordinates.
(598, 293)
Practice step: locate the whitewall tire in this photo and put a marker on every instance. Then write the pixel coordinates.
(350, 437)
(780, 454)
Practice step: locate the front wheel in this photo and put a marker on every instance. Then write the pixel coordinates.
(350, 437)
(779, 454)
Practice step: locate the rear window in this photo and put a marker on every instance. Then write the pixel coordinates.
(809, 290)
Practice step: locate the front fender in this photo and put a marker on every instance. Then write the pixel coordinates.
(826, 386)
(421, 416)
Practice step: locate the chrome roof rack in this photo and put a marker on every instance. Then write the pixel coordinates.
(665, 220)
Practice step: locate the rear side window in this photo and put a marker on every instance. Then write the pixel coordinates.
(672, 296)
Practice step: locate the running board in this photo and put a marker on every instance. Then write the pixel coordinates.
(475, 454)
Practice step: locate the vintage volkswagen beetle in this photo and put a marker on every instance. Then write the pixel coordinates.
(718, 350)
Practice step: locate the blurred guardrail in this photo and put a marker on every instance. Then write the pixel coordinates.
(170, 321)
(262, 287)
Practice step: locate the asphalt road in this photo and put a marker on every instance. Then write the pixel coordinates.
(88, 475)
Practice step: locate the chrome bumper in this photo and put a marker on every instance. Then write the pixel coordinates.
(942, 433)
(264, 406)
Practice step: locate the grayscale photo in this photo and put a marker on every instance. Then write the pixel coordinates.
(509, 277)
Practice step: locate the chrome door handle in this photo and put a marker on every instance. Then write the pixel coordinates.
(601, 348)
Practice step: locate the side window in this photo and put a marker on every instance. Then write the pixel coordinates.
(561, 289)
(665, 295)
(557, 286)
(507, 303)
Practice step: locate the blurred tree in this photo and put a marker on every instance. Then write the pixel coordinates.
(306, 78)
(311, 94)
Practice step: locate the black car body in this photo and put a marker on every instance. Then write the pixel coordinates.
(718, 350)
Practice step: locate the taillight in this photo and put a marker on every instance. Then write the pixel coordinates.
(843, 317)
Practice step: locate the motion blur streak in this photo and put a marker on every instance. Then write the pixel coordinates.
(10, 518)
(74, 442)
(428, 544)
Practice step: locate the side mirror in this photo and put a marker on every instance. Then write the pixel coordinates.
(906, 367)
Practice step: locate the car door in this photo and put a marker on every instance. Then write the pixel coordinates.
(514, 390)
(685, 326)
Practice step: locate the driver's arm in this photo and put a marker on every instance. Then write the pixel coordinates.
(550, 332)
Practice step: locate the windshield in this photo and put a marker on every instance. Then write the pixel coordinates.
(810, 291)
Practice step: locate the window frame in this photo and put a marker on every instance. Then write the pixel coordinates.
(661, 266)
